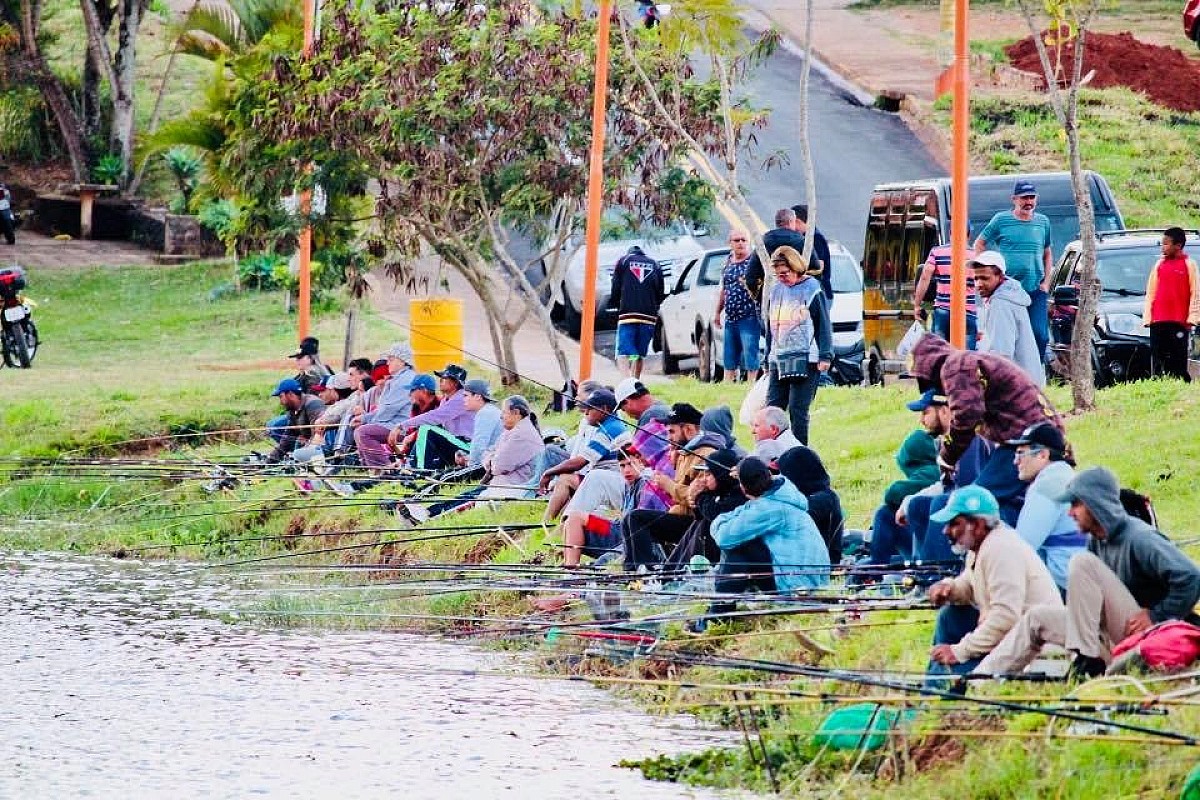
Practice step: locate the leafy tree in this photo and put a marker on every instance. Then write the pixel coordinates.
(473, 121)
(1060, 24)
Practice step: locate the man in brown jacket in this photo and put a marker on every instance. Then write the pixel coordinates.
(988, 396)
(1003, 578)
(647, 532)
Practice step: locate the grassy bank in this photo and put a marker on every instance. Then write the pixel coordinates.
(141, 353)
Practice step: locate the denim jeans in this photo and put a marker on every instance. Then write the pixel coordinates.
(953, 623)
(276, 427)
(941, 326)
(741, 344)
(1039, 319)
(794, 395)
(929, 538)
(889, 539)
(999, 476)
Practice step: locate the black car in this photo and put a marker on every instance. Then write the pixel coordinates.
(1120, 342)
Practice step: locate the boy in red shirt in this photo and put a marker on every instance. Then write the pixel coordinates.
(1172, 307)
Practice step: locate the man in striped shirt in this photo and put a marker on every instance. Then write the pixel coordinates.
(937, 268)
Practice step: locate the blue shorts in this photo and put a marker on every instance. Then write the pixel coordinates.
(741, 344)
(633, 339)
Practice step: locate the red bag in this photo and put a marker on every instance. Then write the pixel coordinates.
(1169, 646)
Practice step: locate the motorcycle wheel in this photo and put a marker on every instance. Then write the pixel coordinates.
(6, 348)
(30, 333)
(20, 345)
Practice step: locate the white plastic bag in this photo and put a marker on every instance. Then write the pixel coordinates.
(911, 337)
(756, 399)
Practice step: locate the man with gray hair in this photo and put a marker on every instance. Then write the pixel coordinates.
(1003, 578)
(393, 407)
(772, 433)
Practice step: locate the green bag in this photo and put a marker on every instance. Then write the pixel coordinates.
(860, 726)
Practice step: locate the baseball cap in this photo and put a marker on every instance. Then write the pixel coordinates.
(309, 346)
(1042, 434)
(423, 381)
(380, 372)
(684, 414)
(931, 398)
(480, 387)
(1024, 189)
(338, 380)
(722, 461)
(601, 398)
(401, 351)
(970, 501)
(628, 388)
(454, 372)
(989, 258)
(288, 385)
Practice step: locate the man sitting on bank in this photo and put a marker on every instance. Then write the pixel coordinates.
(771, 429)
(445, 430)
(1130, 578)
(1002, 580)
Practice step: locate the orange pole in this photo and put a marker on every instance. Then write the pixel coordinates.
(958, 180)
(305, 241)
(587, 331)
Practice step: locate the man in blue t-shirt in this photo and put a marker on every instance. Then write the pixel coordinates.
(1022, 236)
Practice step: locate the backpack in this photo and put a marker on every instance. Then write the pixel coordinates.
(1139, 505)
(563, 399)
(1169, 646)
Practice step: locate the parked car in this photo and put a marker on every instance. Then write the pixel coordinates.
(670, 246)
(685, 319)
(1191, 21)
(1120, 341)
(906, 220)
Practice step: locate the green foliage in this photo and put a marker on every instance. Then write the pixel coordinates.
(263, 271)
(26, 130)
(109, 169)
(185, 166)
(220, 217)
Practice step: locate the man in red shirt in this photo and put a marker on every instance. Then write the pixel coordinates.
(1172, 307)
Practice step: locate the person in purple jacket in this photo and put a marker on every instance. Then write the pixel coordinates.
(445, 430)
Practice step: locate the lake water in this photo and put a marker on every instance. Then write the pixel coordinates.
(121, 681)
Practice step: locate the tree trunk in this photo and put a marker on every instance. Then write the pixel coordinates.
(125, 74)
(93, 74)
(52, 89)
(810, 178)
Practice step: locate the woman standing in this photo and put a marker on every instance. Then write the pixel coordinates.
(801, 338)
(740, 301)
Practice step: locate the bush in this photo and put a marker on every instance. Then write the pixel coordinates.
(110, 169)
(26, 134)
(262, 271)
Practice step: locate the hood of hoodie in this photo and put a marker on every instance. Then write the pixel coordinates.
(1010, 291)
(928, 356)
(719, 420)
(706, 438)
(918, 455)
(804, 470)
(1098, 489)
(784, 491)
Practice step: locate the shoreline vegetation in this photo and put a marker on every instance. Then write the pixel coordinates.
(163, 360)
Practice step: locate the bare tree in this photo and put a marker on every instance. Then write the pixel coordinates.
(1059, 24)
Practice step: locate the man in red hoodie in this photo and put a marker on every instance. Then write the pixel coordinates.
(1172, 307)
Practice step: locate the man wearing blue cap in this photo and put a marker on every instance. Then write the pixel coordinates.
(1022, 236)
(302, 412)
(1003, 579)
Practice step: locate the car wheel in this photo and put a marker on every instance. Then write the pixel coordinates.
(874, 368)
(572, 319)
(670, 363)
(705, 368)
(1101, 377)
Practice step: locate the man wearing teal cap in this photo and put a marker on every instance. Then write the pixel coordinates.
(1003, 578)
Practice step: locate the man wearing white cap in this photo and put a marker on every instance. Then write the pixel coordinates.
(1004, 319)
(393, 407)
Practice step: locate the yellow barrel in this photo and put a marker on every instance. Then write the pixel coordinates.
(437, 332)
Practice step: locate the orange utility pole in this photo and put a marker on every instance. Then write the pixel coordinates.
(305, 207)
(958, 180)
(587, 330)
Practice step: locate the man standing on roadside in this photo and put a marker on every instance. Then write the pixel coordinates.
(638, 289)
(1172, 307)
(820, 250)
(1022, 236)
(1005, 330)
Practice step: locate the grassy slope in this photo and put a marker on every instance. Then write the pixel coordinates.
(128, 354)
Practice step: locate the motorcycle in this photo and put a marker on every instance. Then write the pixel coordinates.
(651, 13)
(18, 335)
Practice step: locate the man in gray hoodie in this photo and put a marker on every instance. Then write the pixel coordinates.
(1130, 578)
(1004, 320)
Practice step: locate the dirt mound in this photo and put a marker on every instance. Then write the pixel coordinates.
(1164, 74)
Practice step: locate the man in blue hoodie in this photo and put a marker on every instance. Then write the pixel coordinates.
(1130, 578)
(1004, 319)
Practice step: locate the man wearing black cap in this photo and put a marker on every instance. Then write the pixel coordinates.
(1045, 522)
(1022, 236)
(308, 361)
(691, 447)
(445, 430)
